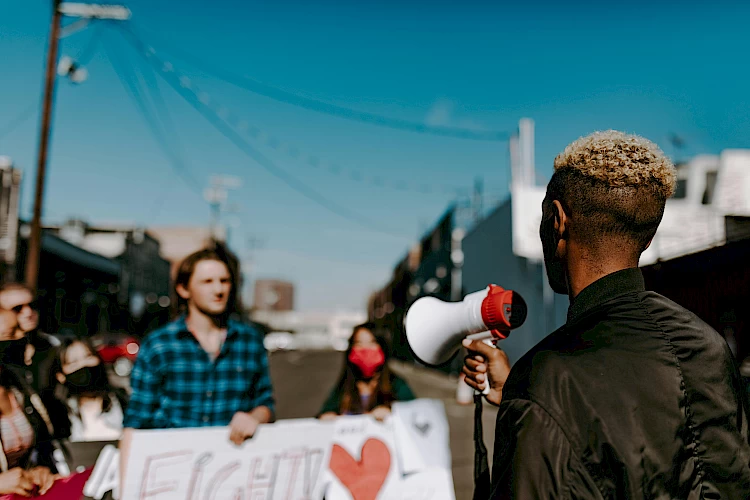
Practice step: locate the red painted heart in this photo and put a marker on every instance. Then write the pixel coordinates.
(365, 477)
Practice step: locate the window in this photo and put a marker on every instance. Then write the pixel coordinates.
(70, 309)
(680, 191)
(708, 194)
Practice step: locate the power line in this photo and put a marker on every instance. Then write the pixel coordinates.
(201, 104)
(277, 144)
(286, 97)
(19, 120)
(152, 86)
(132, 88)
(90, 49)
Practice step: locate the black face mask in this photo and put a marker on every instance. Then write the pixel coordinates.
(87, 380)
(13, 352)
(554, 266)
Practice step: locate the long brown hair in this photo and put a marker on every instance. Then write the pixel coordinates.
(347, 386)
(187, 267)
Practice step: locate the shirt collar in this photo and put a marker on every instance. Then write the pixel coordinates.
(183, 332)
(605, 289)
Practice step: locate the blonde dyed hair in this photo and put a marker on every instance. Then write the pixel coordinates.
(620, 160)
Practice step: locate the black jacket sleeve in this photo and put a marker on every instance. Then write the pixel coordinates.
(533, 458)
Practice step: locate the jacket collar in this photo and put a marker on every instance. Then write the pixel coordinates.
(605, 289)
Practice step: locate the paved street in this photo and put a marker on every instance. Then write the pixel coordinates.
(302, 380)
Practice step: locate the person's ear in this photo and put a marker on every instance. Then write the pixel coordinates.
(561, 220)
(182, 292)
(60, 378)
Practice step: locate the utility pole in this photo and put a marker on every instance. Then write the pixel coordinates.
(35, 238)
(59, 9)
(477, 199)
(216, 195)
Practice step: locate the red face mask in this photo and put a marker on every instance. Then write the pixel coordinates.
(367, 359)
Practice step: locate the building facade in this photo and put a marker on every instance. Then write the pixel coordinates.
(273, 295)
(10, 190)
(430, 268)
(77, 289)
(144, 284)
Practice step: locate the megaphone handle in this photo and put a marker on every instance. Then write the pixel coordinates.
(490, 341)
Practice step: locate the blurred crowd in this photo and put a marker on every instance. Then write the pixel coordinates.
(205, 368)
(52, 391)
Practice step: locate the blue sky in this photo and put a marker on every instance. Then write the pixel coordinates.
(648, 67)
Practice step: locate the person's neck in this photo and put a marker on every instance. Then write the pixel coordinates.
(366, 387)
(90, 399)
(201, 324)
(586, 267)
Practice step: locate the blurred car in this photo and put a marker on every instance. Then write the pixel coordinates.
(278, 341)
(117, 350)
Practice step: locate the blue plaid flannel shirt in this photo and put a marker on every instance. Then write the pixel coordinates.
(176, 384)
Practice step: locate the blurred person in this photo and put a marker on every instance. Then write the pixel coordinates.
(204, 368)
(34, 350)
(634, 397)
(28, 453)
(366, 385)
(96, 408)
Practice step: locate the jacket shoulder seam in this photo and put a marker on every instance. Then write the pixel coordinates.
(575, 452)
(695, 441)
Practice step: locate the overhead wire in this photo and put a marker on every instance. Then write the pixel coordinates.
(319, 106)
(84, 57)
(27, 113)
(202, 103)
(19, 120)
(176, 160)
(151, 84)
(357, 175)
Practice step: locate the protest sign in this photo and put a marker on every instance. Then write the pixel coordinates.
(407, 457)
(282, 461)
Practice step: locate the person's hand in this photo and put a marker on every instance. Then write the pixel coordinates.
(380, 413)
(43, 477)
(485, 364)
(329, 415)
(242, 426)
(16, 481)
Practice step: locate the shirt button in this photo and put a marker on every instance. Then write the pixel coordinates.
(239, 369)
(29, 410)
(209, 394)
(205, 419)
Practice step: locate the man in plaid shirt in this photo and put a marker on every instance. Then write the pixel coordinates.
(203, 369)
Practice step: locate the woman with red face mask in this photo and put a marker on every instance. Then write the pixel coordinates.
(366, 386)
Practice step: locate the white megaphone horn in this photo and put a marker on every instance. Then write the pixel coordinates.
(435, 329)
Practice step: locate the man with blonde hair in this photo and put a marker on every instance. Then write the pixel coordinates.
(634, 397)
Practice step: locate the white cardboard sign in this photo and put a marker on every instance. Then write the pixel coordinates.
(407, 457)
(282, 461)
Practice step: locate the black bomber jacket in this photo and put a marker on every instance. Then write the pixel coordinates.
(634, 397)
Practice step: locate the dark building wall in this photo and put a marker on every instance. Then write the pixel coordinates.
(425, 271)
(145, 277)
(489, 259)
(77, 290)
(714, 284)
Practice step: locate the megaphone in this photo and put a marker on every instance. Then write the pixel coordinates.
(435, 329)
